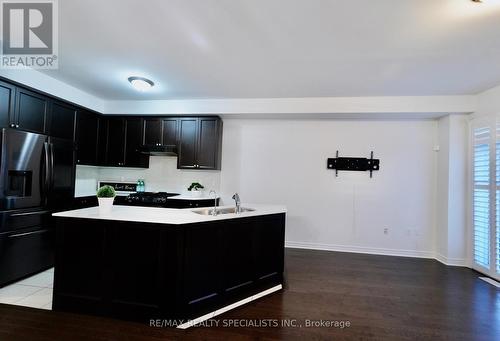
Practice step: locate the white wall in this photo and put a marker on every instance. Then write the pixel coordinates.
(443, 187)
(489, 102)
(162, 175)
(457, 204)
(284, 162)
(451, 228)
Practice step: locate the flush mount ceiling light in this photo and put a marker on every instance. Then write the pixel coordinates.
(141, 83)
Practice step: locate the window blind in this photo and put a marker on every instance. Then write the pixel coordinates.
(496, 246)
(481, 195)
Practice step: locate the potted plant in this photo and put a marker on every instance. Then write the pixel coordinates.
(196, 189)
(106, 195)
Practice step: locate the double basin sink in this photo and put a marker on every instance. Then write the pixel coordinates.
(227, 210)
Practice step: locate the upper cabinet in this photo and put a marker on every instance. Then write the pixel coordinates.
(87, 125)
(31, 111)
(102, 141)
(7, 96)
(133, 142)
(170, 127)
(116, 142)
(124, 138)
(62, 120)
(152, 132)
(199, 144)
(160, 131)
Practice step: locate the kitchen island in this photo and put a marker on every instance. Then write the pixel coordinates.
(143, 263)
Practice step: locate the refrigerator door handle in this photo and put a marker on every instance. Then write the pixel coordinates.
(51, 169)
(29, 213)
(27, 233)
(46, 179)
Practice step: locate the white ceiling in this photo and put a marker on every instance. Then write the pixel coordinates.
(279, 48)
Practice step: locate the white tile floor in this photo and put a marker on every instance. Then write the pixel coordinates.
(34, 291)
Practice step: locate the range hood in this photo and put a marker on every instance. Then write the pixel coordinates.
(160, 150)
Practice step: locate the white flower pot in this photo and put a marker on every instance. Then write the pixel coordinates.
(105, 205)
(196, 194)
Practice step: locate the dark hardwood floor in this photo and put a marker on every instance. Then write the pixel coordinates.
(383, 298)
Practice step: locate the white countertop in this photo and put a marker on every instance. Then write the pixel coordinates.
(166, 215)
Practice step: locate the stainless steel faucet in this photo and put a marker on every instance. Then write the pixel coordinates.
(237, 201)
(214, 210)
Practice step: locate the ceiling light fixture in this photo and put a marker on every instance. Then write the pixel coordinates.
(477, 1)
(141, 83)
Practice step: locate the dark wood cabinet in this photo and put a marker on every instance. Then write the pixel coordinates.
(187, 143)
(209, 141)
(237, 247)
(62, 120)
(199, 143)
(133, 142)
(102, 141)
(139, 271)
(136, 276)
(169, 131)
(152, 132)
(31, 111)
(116, 142)
(123, 139)
(268, 249)
(80, 258)
(183, 203)
(87, 125)
(7, 102)
(202, 263)
(160, 131)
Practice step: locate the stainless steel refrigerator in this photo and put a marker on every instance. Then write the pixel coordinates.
(36, 179)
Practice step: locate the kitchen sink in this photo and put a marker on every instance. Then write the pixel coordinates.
(210, 210)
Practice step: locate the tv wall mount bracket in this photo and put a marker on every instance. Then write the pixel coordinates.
(353, 164)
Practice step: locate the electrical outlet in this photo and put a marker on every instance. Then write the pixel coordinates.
(386, 230)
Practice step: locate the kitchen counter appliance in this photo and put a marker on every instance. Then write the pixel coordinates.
(36, 179)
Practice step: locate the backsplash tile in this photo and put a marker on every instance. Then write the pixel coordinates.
(162, 175)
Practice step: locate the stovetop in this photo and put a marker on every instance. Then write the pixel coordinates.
(149, 198)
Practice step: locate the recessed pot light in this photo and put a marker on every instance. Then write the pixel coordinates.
(141, 83)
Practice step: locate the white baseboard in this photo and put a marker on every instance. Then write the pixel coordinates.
(378, 251)
(451, 261)
(360, 249)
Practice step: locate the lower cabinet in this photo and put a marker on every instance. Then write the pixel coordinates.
(138, 257)
(80, 279)
(223, 262)
(139, 271)
(183, 203)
